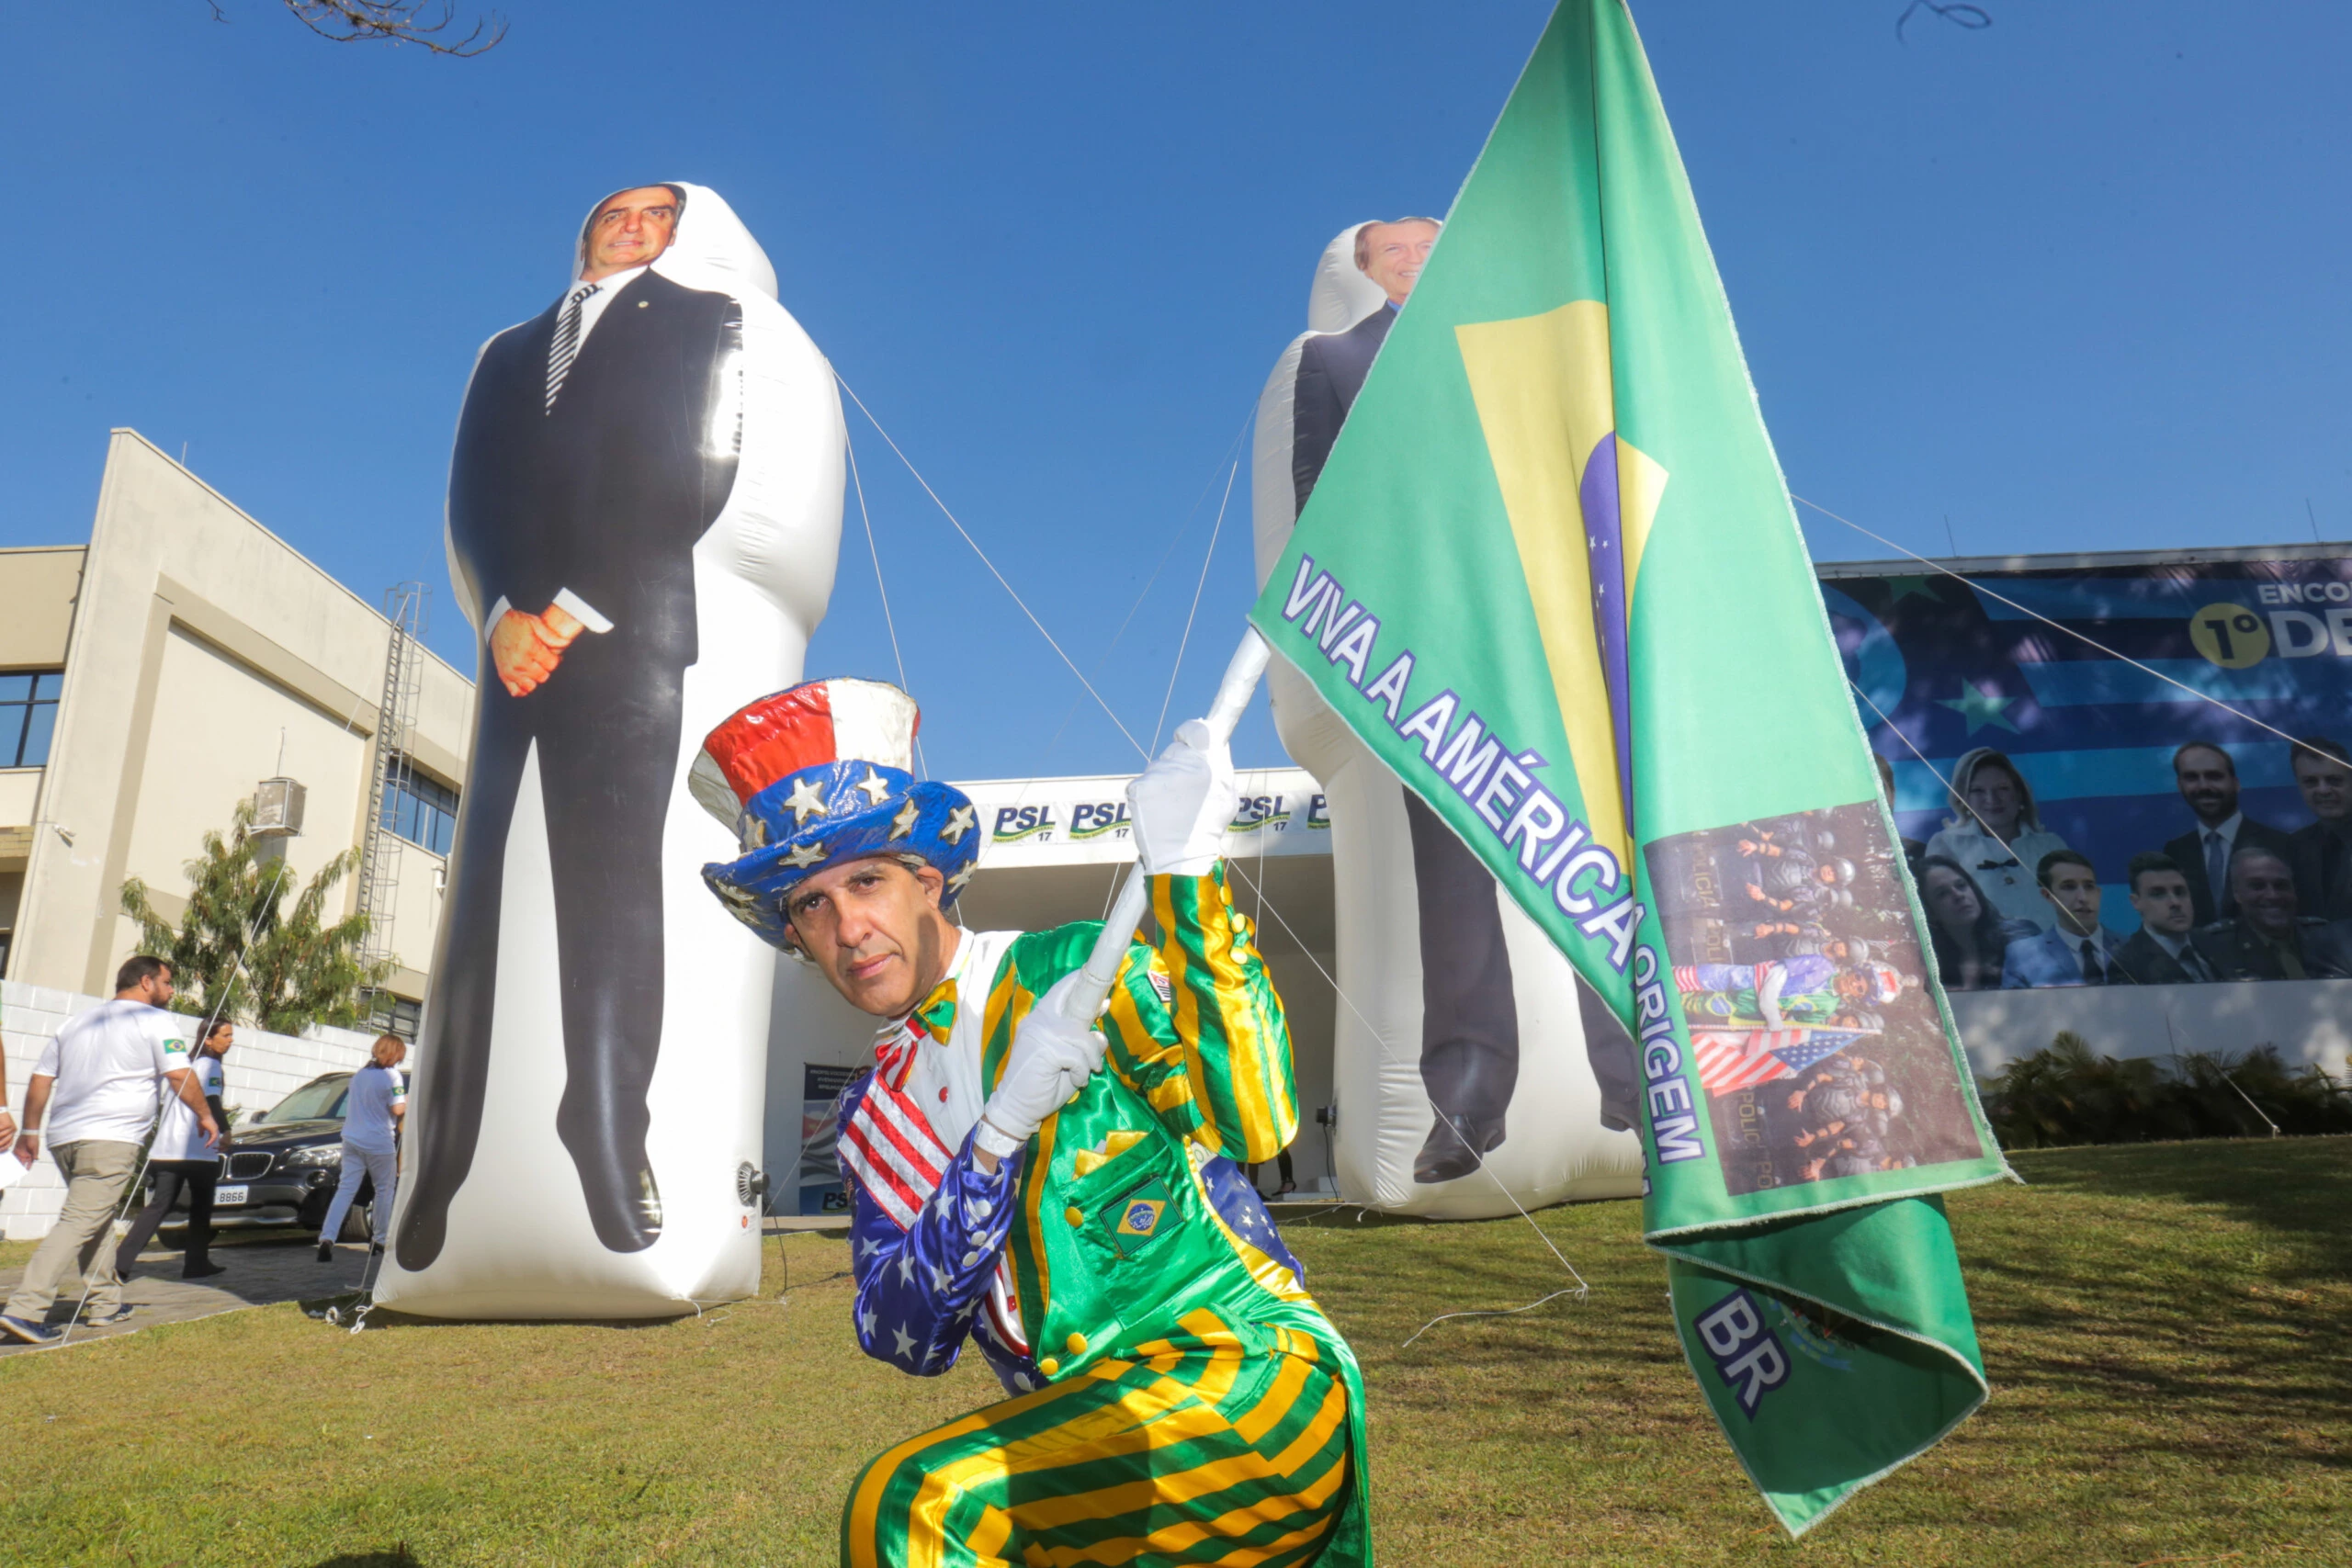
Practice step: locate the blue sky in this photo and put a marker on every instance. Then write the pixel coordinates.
(2075, 281)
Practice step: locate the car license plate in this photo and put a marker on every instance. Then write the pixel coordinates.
(227, 1196)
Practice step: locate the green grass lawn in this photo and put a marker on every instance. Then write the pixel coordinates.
(2166, 1328)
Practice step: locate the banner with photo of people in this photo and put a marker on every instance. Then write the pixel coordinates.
(2116, 772)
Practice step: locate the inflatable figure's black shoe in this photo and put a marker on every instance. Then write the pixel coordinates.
(625, 1209)
(1450, 1154)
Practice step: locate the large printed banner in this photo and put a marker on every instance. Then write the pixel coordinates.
(1550, 577)
(2137, 716)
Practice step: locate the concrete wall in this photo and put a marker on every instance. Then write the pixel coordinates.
(197, 639)
(261, 1070)
(41, 585)
(19, 792)
(37, 590)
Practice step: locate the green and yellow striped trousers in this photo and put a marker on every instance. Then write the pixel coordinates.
(1211, 1446)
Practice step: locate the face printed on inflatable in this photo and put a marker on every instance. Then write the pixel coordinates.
(629, 230)
(1395, 253)
(874, 928)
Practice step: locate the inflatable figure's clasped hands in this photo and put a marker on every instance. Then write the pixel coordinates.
(527, 649)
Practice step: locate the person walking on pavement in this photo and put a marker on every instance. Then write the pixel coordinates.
(372, 1108)
(98, 1079)
(181, 1160)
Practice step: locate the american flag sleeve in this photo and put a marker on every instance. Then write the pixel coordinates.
(1196, 1028)
(919, 1289)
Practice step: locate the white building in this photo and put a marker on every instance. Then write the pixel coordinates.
(150, 678)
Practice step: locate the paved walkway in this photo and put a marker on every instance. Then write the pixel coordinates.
(263, 1269)
(260, 1270)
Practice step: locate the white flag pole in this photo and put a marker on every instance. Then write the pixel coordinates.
(1085, 999)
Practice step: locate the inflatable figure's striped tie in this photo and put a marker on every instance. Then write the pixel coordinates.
(566, 347)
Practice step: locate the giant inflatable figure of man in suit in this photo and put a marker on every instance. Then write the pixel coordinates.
(644, 511)
(1415, 904)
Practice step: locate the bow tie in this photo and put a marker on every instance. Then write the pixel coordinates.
(937, 1017)
(894, 1048)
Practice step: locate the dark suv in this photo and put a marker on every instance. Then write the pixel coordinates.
(281, 1169)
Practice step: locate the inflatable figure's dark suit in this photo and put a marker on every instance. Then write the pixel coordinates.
(602, 494)
(1469, 1016)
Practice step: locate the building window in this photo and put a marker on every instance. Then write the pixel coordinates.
(420, 810)
(28, 716)
(396, 1015)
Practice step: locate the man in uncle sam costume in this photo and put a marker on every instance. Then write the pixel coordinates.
(1067, 1197)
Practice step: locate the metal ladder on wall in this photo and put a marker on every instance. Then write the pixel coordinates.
(379, 856)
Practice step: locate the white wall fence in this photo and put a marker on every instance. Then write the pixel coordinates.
(2309, 1023)
(261, 1070)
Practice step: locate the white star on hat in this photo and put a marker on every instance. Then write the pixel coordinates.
(805, 801)
(904, 822)
(806, 856)
(956, 882)
(877, 788)
(959, 822)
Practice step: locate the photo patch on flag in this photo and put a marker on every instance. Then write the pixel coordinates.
(1137, 1219)
(1792, 956)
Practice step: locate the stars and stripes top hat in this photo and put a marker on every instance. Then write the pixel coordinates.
(818, 774)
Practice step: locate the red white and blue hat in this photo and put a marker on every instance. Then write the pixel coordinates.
(821, 775)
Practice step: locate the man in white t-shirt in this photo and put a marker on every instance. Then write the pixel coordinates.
(99, 1080)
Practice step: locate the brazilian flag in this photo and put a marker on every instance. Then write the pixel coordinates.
(1551, 576)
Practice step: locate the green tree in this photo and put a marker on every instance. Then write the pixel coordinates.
(297, 970)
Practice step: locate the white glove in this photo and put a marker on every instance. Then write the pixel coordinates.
(1052, 1058)
(1183, 804)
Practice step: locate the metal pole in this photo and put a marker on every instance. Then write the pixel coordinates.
(1233, 693)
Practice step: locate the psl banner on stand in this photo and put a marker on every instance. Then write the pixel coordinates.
(1551, 576)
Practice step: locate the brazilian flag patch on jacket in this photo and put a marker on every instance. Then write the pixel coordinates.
(1137, 1219)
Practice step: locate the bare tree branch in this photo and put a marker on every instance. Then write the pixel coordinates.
(1957, 15)
(419, 22)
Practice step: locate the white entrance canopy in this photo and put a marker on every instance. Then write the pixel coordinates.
(1056, 851)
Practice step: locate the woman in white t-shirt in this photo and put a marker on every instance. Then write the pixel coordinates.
(181, 1158)
(372, 1108)
(1995, 833)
